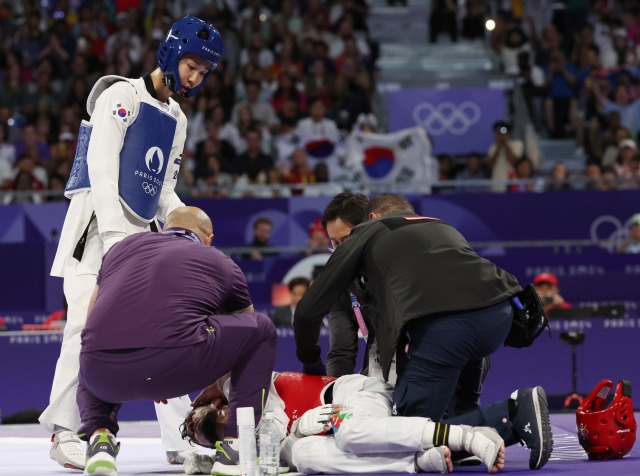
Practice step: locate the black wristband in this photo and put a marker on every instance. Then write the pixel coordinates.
(441, 435)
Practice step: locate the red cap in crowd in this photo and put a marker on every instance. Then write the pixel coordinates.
(316, 226)
(549, 278)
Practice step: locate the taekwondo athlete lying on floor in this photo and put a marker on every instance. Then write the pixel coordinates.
(367, 438)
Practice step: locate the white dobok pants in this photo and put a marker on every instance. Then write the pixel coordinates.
(369, 439)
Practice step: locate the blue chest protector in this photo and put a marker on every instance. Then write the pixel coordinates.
(144, 159)
(79, 175)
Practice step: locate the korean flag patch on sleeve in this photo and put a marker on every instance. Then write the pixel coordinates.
(122, 113)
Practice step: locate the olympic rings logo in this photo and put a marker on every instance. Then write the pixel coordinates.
(149, 188)
(609, 225)
(447, 117)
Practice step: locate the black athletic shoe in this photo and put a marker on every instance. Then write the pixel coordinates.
(531, 424)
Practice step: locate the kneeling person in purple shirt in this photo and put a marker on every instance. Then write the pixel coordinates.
(170, 315)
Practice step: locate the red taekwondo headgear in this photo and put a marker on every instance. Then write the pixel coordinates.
(607, 433)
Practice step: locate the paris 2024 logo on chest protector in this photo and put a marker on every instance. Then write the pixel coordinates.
(154, 160)
(143, 160)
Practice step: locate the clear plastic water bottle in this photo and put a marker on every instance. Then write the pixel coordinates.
(247, 436)
(269, 442)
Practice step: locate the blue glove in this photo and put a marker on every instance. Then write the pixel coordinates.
(314, 369)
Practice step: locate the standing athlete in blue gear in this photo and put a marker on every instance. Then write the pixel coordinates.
(188, 322)
(123, 178)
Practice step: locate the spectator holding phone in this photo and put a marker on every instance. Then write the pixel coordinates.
(503, 154)
(546, 285)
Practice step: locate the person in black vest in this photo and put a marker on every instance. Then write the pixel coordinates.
(438, 307)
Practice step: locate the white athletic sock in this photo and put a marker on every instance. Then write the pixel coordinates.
(442, 434)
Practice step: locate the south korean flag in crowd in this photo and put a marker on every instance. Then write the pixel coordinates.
(321, 141)
(397, 162)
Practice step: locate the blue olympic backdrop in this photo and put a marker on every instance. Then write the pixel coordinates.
(27, 363)
(458, 121)
(28, 235)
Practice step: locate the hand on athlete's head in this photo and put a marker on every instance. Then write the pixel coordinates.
(204, 425)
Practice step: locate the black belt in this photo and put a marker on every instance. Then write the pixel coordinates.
(78, 252)
(79, 249)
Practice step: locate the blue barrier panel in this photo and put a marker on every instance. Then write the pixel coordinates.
(593, 275)
(22, 278)
(27, 362)
(583, 215)
(586, 273)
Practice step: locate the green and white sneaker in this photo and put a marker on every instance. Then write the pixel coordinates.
(101, 455)
(227, 459)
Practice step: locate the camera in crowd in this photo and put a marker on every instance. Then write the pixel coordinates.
(502, 127)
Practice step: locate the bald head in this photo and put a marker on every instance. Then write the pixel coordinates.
(193, 219)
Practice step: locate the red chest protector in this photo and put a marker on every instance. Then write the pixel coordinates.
(300, 392)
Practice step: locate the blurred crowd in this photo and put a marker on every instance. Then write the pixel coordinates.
(297, 77)
(580, 75)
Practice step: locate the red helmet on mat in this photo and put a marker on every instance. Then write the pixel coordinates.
(607, 433)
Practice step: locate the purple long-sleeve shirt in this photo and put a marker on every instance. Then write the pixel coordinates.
(144, 301)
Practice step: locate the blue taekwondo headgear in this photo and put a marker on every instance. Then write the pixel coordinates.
(188, 35)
